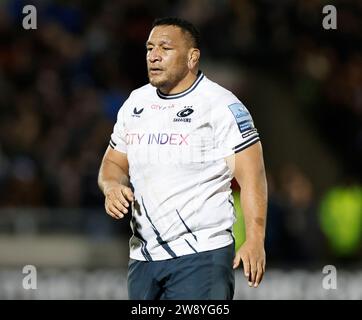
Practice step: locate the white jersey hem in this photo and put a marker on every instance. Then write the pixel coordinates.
(167, 257)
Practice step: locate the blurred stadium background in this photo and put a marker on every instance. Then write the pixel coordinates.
(60, 89)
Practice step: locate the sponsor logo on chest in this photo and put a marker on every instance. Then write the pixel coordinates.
(161, 138)
(184, 114)
(137, 112)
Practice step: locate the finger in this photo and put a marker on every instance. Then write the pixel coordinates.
(115, 211)
(112, 201)
(106, 206)
(236, 261)
(111, 214)
(121, 198)
(259, 274)
(118, 204)
(128, 194)
(246, 265)
(253, 270)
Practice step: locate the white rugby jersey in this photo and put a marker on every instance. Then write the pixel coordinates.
(176, 147)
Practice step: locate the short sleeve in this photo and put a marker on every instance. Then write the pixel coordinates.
(118, 136)
(234, 129)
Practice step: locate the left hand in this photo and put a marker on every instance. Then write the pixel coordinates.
(252, 254)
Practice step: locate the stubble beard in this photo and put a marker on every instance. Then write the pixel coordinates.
(167, 82)
(158, 83)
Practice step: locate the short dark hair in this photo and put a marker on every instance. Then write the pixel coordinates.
(184, 25)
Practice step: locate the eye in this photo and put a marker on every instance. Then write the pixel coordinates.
(149, 49)
(167, 48)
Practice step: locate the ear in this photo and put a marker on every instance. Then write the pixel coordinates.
(193, 57)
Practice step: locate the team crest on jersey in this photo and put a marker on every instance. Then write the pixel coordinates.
(137, 112)
(183, 115)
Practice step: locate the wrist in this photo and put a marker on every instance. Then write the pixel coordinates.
(255, 237)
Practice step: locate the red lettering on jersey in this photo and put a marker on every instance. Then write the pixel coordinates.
(183, 139)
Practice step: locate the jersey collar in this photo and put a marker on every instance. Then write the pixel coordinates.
(200, 76)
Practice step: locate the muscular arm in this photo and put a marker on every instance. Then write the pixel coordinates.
(113, 180)
(250, 174)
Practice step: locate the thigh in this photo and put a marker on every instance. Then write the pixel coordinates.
(202, 276)
(141, 282)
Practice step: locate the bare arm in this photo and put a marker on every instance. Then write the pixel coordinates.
(113, 180)
(250, 175)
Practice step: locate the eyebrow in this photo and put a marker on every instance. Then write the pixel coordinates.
(149, 43)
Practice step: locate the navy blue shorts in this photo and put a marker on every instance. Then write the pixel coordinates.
(203, 276)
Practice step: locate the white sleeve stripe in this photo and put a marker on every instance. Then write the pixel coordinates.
(112, 144)
(247, 144)
(246, 141)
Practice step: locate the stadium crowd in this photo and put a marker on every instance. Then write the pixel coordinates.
(61, 86)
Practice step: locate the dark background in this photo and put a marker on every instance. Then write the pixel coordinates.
(61, 86)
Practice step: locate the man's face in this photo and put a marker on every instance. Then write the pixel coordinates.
(167, 56)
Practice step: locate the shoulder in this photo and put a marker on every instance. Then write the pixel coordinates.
(223, 102)
(136, 96)
(141, 92)
(217, 94)
(226, 109)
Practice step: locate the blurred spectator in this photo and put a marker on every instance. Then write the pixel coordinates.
(341, 220)
(303, 239)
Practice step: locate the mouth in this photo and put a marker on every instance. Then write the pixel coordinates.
(154, 71)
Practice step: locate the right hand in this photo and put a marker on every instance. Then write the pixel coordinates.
(118, 199)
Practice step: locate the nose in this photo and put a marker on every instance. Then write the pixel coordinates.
(153, 55)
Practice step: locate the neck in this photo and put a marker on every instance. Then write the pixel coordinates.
(185, 83)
